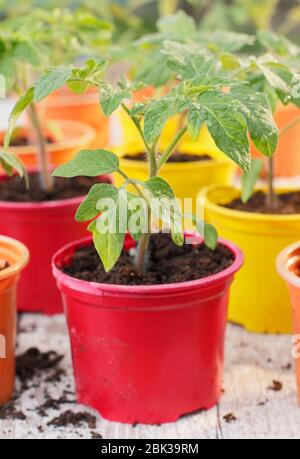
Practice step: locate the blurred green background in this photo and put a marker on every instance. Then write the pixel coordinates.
(132, 18)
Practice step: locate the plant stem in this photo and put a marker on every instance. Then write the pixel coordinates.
(43, 157)
(169, 150)
(271, 196)
(138, 126)
(289, 126)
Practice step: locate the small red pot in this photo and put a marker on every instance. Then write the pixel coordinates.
(43, 228)
(146, 354)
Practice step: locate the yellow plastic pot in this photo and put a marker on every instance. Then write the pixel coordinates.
(186, 178)
(129, 135)
(259, 300)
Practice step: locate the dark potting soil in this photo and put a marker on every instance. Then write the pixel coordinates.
(167, 264)
(33, 363)
(14, 189)
(174, 158)
(287, 204)
(75, 419)
(3, 264)
(24, 141)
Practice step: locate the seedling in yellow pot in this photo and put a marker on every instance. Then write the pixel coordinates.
(264, 221)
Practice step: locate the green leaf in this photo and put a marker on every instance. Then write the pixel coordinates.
(11, 162)
(109, 245)
(137, 216)
(25, 51)
(268, 70)
(275, 43)
(91, 69)
(110, 228)
(258, 113)
(17, 111)
(111, 99)
(90, 163)
(250, 179)
(166, 207)
(225, 123)
(156, 115)
(189, 61)
(206, 230)
(177, 26)
(53, 79)
(88, 209)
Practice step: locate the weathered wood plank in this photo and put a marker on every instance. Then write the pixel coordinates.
(252, 363)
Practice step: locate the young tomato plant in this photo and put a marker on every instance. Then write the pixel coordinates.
(202, 95)
(277, 82)
(31, 42)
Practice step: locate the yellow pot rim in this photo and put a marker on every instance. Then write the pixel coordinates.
(251, 216)
(202, 164)
(15, 253)
(85, 134)
(284, 260)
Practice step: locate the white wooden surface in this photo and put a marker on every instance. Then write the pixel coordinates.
(252, 363)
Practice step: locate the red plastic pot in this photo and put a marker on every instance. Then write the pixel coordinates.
(146, 354)
(43, 228)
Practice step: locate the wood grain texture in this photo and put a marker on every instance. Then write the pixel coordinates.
(252, 363)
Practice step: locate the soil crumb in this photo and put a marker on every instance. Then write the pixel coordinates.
(287, 204)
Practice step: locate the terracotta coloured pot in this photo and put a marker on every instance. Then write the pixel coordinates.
(17, 256)
(84, 108)
(288, 266)
(71, 138)
(287, 157)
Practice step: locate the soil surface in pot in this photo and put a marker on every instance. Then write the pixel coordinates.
(287, 204)
(167, 264)
(24, 141)
(175, 158)
(14, 189)
(3, 264)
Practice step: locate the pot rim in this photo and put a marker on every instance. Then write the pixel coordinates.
(22, 256)
(60, 100)
(91, 287)
(57, 204)
(253, 216)
(284, 260)
(85, 134)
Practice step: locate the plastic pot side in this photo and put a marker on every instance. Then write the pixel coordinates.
(17, 255)
(287, 158)
(84, 108)
(146, 354)
(44, 228)
(259, 298)
(287, 262)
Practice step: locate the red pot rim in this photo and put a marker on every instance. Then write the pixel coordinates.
(91, 287)
(57, 204)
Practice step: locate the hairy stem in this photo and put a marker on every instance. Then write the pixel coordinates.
(43, 157)
(271, 196)
(138, 126)
(170, 149)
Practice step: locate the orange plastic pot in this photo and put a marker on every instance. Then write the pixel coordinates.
(70, 138)
(287, 158)
(17, 256)
(84, 108)
(288, 266)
